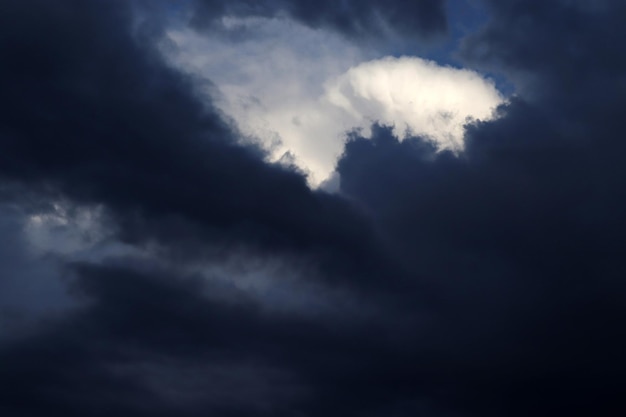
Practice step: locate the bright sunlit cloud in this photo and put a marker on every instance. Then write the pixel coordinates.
(298, 90)
(409, 92)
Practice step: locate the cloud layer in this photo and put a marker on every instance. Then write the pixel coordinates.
(200, 279)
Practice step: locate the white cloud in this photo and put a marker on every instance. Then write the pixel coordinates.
(299, 90)
(410, 92)
(272, 84)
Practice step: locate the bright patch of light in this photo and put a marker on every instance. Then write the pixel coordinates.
(409, 92)
(299, 90)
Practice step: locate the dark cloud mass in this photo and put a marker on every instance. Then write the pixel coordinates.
(489, 283)
(352, 18)
(98, 118)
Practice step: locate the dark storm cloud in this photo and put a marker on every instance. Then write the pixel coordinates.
(91, 116)
(515, 247)
(90, 113)
(355, 19)
(113, 357)
(150, 342)
(563, 48)
(521, 237)
(520, 242)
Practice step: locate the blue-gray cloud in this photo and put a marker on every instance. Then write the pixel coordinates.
(492, 280)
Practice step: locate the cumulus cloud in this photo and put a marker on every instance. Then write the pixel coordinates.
(299, 90)
(428, 99)
(272, 84)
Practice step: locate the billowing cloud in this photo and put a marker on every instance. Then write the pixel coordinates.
(299, 90)
(416, 94)
(273, 86)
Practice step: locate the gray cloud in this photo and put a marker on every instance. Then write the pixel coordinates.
(354, 19)
(491, 282)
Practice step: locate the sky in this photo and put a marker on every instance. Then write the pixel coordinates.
(286, 208)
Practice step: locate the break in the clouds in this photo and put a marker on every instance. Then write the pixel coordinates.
(156, 262)
(299, 90)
